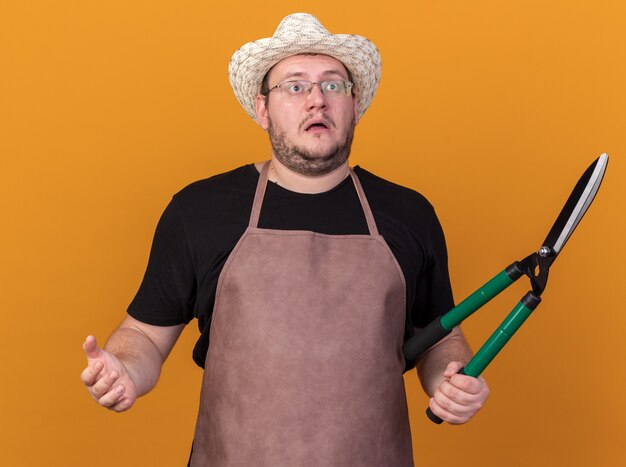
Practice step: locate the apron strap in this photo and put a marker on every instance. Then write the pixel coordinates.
(369, 217)
(260, 194)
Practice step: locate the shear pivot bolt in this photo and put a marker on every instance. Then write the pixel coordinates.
(544, 251)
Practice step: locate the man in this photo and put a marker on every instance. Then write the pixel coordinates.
(306, 277)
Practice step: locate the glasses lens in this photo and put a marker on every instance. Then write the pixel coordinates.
(296, 88)
(336, 88)
(332, 87)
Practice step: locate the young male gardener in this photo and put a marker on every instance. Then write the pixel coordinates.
(306, 277)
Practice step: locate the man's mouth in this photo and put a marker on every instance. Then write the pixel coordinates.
(316, 125)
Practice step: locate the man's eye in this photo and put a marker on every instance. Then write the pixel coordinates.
(332, 86)
(295, 88)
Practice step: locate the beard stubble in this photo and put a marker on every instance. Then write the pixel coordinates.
(308, 162)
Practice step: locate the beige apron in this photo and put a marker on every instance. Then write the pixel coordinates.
(304, 366)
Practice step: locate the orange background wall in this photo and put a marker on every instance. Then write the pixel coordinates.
(491, 109)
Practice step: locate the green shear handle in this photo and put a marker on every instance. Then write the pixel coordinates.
(441, 327)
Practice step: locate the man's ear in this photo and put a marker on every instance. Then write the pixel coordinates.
(262, 117)
(356, 114)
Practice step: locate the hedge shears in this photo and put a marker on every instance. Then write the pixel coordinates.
(535, 266)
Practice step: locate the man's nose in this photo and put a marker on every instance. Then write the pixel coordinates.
(316, 97)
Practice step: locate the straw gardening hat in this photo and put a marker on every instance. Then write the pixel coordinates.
(303, 33)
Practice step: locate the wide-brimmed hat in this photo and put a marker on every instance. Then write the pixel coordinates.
(301, 33)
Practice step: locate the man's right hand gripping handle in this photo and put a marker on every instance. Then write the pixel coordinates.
(106, 378)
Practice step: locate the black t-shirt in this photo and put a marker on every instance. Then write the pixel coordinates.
(204, 221)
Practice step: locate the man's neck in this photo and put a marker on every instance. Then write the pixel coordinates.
(299, 183)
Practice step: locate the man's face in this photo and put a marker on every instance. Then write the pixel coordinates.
(311, 134)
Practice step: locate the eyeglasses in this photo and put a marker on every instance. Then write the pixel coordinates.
(303, 88)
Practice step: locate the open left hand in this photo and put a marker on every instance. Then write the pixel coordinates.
(107, 379)
(459, 397)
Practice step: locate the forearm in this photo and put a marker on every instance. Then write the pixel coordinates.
(432, 364)
(139, 354)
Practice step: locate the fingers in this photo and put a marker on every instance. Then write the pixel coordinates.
(450, 410)
(108, 391)
(459, 398)
(112, 396)
(123, 405)
(115, 396)
(463, 393)
(104, 384)
(466, 384)
(116, 399)
(91, 374)
(444, 414)
(452, 369)
(449, 404)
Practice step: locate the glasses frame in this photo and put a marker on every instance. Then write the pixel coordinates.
(347, 87)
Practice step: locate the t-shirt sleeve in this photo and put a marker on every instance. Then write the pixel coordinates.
(434, 292)
(167, 293)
